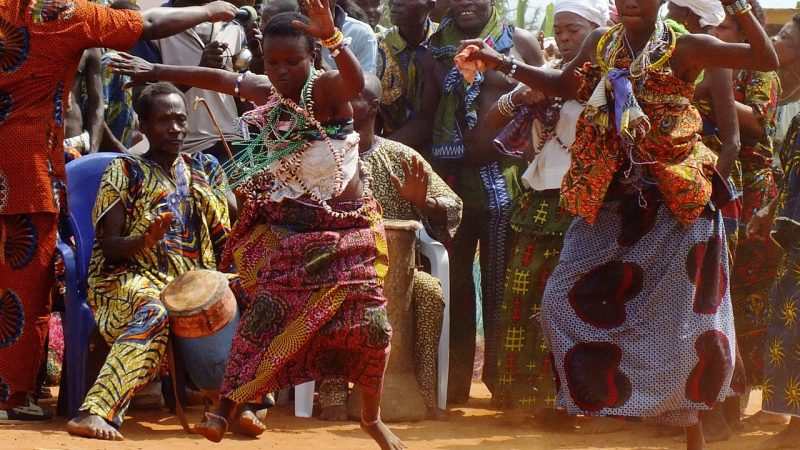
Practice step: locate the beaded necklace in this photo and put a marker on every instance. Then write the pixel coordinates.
(285, 141)
(660, 46)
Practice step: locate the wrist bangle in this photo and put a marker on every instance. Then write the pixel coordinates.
(333, 41)
(737, 7)
(238, 84)
(506, 106)
(335, 51)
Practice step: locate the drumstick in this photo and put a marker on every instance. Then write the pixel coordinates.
(198, 100)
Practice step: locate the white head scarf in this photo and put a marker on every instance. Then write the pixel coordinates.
(709, 11)
(595, 11)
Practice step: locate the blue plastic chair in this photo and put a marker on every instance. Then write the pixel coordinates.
(83, 182)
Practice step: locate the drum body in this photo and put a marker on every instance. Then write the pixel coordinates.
(203, 316)
(401, 399)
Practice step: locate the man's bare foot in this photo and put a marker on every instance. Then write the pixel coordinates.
(249, 424)
(383, 436)
(601, 425)
(715, 427)
(94, 427)
(336, 413)
(788, 438)
(435, 413)
(213, 427)
(762, 419)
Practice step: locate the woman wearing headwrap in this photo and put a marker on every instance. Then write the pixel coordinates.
(542, 131)
(637, 313)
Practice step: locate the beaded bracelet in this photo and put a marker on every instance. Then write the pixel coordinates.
(513, 68)
(342, 45)
(239, 83)
(737, 7)
(334, 40)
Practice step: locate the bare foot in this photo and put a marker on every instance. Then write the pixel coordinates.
(213, 427)
(715, 427)
(762, 419)
(383, 436)
(788, 438)
(336, 413)
(94, 427)
(249, 424)
(601, 425)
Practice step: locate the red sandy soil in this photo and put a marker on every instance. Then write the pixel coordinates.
(474, 426)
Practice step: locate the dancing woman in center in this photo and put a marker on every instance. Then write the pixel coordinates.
(637, 313)
(309, 244)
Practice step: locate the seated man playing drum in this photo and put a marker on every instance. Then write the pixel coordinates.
(157, 216)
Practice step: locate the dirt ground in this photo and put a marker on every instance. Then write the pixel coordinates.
(474, 426)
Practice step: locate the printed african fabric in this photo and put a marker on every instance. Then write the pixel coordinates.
(668, 151)
(317, 308)
(27, 248)
(458, 107)
(638, 315)
(119, 114)
(401, 69)
(124, 293)
(755, 262)
(781, 386)
(525, 376)
(428, 308)
(386, 159)
(42, 42)
(487, 193)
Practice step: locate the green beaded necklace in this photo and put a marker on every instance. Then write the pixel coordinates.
(272, 142)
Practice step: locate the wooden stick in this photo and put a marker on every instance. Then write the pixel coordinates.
(198, 100)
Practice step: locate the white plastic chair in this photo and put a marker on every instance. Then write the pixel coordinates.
(303, 399)
(440, 268)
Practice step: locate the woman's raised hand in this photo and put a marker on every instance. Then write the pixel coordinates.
(320, 20)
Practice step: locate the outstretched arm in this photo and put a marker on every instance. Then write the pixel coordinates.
(255, 88)
(163, 22)
(551, 82)
(695, 52)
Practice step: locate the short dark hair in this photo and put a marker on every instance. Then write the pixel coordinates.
(144, 103)
(280, 25)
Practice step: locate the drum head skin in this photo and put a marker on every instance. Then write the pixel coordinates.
(193, 291)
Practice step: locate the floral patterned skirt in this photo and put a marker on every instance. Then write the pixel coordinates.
(316, 307)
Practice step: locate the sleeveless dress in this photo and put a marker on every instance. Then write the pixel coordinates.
(637, 314)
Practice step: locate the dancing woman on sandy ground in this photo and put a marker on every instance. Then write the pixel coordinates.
(309, 243)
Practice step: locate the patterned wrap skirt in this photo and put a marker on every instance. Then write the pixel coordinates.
(317, 308)
(638, 313)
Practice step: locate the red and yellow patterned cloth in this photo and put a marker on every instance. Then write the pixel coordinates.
(670, 151)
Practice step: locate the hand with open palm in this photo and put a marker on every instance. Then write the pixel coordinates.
(320, 20)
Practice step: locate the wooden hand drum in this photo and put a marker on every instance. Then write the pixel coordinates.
(203, 315)
(401, 399)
